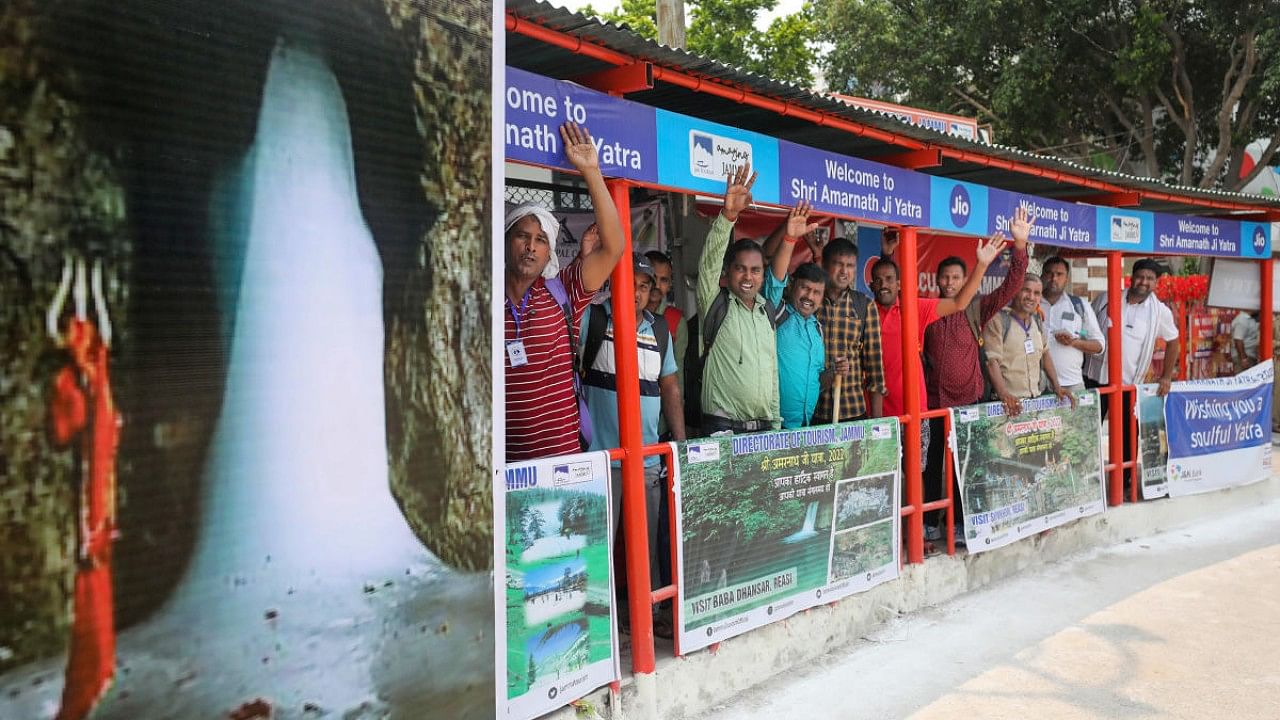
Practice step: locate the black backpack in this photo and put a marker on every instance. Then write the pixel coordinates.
(692, 364)
(695, 355)
(720, 308)
(598, 325)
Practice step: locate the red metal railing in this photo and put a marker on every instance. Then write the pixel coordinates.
(642, 597)
(947, 502)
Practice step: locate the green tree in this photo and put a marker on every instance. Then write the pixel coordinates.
(517, 521)
(724, 30)
(640, 16)
(535, 528)
(1162, 88)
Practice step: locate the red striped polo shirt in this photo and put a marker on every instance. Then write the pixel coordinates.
(542, 410)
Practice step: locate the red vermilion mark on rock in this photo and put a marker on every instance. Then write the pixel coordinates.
(257, 709)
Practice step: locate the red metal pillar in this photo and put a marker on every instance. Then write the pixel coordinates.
(1265, 315)
(1116, 416)
(948, 478)
(634, 526)
(911, 479)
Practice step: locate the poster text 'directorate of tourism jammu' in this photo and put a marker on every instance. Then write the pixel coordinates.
(774, 523)
(1025, 474)
(559, 585)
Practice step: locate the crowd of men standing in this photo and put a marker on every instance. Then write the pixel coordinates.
(783, 348)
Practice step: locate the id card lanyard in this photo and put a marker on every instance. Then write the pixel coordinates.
(515, 348)
(1028, 346)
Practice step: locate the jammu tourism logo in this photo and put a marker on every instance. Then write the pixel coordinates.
(712, 157)
(703, 452)
(1126, 230)
(571, 473)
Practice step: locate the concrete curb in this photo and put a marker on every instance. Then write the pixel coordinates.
(687, 686)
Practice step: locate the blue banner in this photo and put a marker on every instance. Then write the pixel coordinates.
(698, 155)
(641, 143)
(623, 131)
(1056, 223)
(1208, 422)
(958, 206)
(1255, 240)
(1219, 431)
(1196, 235)
(852, 187)
(1126, 230)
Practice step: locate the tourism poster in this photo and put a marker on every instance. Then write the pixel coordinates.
(1153, 442)
(773, 523)
(1025, 474)
(559, 583)
(1219, 431)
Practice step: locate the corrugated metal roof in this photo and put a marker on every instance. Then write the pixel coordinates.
(551, 61)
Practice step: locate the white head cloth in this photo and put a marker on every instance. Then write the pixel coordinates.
(550, 226)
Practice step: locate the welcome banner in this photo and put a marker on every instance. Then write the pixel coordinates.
(774, 523)
(1024, 474)
(666, 149)
(1219, 431)
(559, 583)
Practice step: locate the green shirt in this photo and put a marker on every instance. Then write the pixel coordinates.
(740, 375)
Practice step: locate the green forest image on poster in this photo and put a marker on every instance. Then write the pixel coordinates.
(1023, 474)
(1153, 442)
(770, 516)
(558, 585)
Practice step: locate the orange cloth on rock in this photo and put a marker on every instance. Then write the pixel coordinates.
(82, 407)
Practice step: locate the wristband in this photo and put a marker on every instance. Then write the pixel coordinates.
(789, 239)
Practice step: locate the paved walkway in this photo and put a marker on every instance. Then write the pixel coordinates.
(1180, 625)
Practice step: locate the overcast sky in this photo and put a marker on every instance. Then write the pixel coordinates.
(785, 7)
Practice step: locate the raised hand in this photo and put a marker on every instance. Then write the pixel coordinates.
(797, 221)
(1020, 227)
(816, 244)
(578, 147)
(889, 241)
(737, 195)
(989, 250)
(590, 240)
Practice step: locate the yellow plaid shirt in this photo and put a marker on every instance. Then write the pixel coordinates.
(856, 337)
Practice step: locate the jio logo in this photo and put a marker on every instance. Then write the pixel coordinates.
(959, 206)
(1259, 240)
